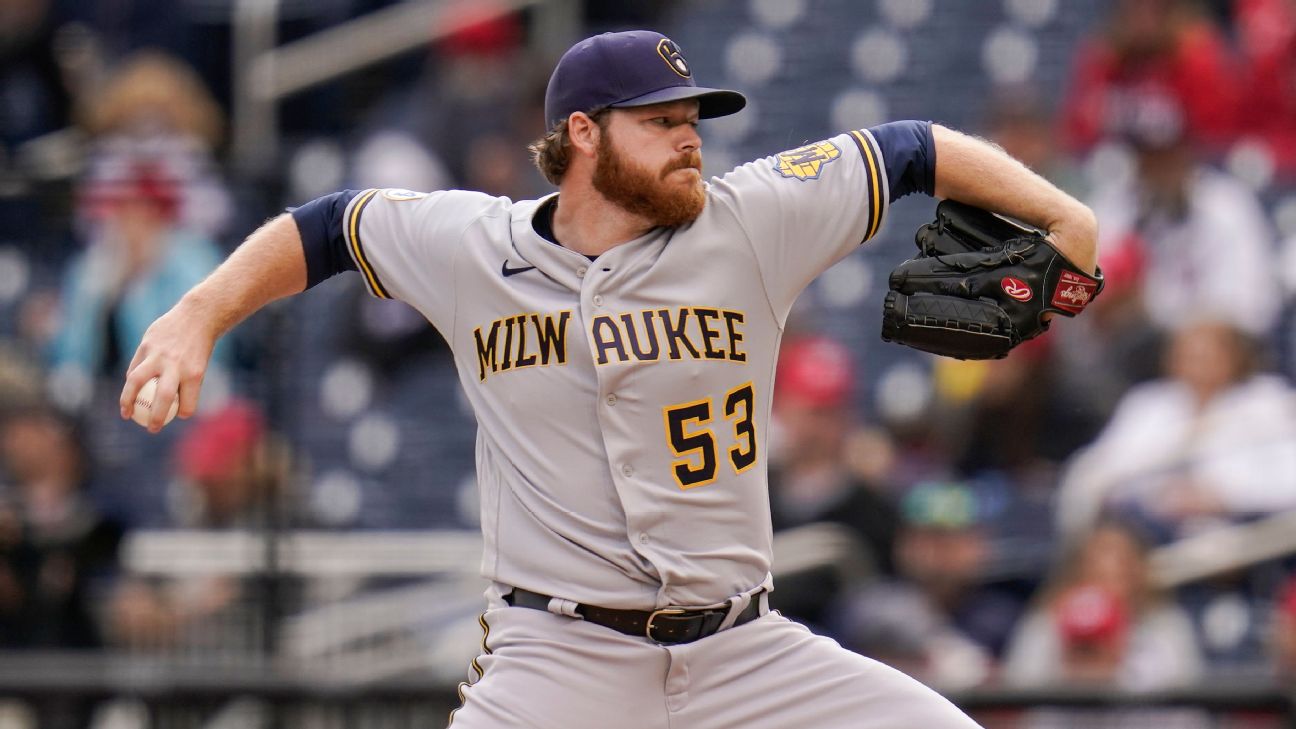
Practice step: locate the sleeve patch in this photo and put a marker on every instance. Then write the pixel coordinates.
(806, 163)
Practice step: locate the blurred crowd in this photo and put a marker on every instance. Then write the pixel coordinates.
(1016, 526)
(1023, 518)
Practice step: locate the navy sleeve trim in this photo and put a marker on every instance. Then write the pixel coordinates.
(909, 154)
(320, 224)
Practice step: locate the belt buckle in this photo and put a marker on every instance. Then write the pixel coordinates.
(648, 629)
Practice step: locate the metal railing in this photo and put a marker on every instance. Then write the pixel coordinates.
(265, 74)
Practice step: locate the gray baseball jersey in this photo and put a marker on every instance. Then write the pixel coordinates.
(622, 403)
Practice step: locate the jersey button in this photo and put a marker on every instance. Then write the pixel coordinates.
(643, 538)
(627, 470)
(598, 300)
(612, 400)
(580, 272)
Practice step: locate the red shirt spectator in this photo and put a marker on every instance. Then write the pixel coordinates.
(1267, 35)
(1153, 48)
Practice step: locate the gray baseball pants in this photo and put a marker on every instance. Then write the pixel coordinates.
(544, 671)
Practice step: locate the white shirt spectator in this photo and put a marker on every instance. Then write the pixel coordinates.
(1217, 261)
(1240, 447)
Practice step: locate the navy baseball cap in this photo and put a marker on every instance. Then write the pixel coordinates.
(630, 68)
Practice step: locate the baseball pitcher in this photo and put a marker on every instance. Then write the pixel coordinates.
(617, 341)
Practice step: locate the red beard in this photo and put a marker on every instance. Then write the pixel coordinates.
(649, 196)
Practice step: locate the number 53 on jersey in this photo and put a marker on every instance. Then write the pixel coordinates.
(689, 431)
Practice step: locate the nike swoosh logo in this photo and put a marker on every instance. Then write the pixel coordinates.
(514, 271)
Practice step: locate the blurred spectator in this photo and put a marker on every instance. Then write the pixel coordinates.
(21, 380)
(1011, 416)
(1179, 239)
(153, 94)
(225, 462)
(1212, 440)
(55, 543)
(1266, 31)
(34, 98)
(149, 207)
(138, 265)
(58, 554)
(939, 621)
(1162, 49)
(154, 106)
(810, 481)
(231, 472)
(481, 80)
(1101, 622)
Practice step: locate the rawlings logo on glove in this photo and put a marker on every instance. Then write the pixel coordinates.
(971, 292)
(1016, 288)
(1074, 291)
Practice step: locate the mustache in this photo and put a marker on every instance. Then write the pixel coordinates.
(689, 161)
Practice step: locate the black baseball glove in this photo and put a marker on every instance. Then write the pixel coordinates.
(980, 286)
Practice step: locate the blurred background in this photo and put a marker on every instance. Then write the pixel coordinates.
(1099, 530)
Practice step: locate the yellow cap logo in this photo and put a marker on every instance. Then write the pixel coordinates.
(671, 54)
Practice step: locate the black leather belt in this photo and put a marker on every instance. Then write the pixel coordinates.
(667, 626)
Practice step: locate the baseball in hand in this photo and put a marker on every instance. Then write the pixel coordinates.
(144, 404)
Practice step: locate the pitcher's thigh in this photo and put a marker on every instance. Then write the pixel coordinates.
(778, 675)
(539, 671)
(881, 697)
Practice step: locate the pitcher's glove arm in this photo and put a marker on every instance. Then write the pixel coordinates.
(980, 286)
